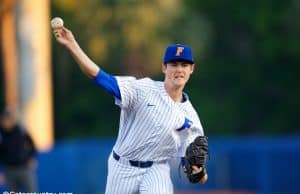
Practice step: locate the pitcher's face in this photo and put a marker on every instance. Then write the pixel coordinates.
(177, 73)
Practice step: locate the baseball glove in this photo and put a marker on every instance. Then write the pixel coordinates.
(196, 155)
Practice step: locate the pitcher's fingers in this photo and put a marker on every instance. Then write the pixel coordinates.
(64, 29)
(55, 31)
(196, 169)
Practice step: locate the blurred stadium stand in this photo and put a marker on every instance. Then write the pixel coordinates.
(236, 165)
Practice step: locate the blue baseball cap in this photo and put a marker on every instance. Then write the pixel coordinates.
(178, 52)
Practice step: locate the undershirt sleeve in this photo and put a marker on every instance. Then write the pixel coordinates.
(108, 83)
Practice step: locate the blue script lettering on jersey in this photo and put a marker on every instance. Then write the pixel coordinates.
(187, 124)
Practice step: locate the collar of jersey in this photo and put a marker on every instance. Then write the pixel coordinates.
(164, 93)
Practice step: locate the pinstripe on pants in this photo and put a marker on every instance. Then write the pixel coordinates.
(126, 179)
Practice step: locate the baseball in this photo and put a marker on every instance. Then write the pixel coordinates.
(57, 22)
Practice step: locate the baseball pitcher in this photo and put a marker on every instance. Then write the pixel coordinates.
(157, 122)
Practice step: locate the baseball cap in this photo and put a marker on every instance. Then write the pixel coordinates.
(177, 52)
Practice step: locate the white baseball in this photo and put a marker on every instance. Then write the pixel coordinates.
(57, 22)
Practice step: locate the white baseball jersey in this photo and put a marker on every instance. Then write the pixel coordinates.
(152, 126)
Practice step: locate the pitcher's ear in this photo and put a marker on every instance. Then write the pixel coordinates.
(192, 68)
(163, 67)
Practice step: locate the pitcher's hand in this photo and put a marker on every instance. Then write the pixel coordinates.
(64, 36)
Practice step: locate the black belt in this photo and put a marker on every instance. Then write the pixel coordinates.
(134, 163)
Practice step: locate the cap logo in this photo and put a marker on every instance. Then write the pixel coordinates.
(179, 50)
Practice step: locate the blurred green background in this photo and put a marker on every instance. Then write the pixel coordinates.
(247, 55)
(247, 61)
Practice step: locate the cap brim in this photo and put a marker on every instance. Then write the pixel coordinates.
(179, 60)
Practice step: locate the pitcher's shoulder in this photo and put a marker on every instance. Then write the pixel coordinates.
(147, 83)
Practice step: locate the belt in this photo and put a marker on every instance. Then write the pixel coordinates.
(140, 164)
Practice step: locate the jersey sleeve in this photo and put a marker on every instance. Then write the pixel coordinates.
(123, 88)
(108, 83)
(129, 91)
